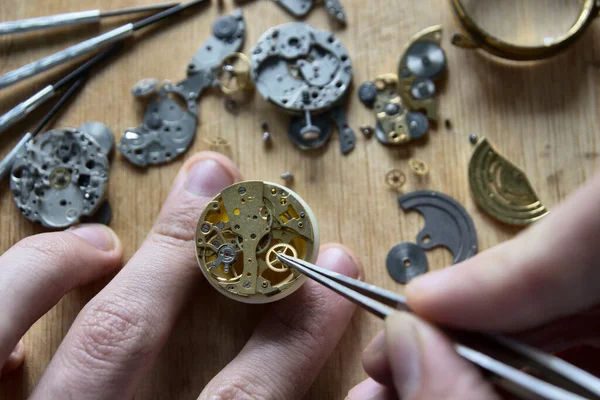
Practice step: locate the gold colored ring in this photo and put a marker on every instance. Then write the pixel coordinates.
(477, 37)
(418, 166)
(242, 76)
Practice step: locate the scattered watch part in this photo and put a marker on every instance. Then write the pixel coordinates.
(310, 135)
(288, 177)
(406, 261)
(473, 138)
(231, 77)
(62, 175)
(300, 8)
(145, 87)
(423, 62)
(347, 135)
(266, 135)
(418, 167)
(240, 233)
(395, 179)
(367, 93)
(447, 223)
(297, 67)
(367, 131)
(170, 120)
(502, 189)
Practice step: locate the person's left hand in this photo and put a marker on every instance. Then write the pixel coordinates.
(119, 333)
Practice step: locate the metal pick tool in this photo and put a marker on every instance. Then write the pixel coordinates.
(88, 46)
(73, 18)
(564, 381)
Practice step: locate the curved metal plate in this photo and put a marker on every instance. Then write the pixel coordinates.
(501, 188)
(447, 223)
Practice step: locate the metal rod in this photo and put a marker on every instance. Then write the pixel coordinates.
(72, 18)
(23, 109)
(87, 46)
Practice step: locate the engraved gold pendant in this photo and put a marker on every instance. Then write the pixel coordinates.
(240, 233)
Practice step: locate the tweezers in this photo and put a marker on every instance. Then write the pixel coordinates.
(549, 377)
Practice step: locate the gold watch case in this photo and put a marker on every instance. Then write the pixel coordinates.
(240, 232)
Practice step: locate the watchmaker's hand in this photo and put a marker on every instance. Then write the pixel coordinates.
(119, 333)
(544, 284)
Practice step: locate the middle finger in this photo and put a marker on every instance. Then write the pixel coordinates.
(117, 336)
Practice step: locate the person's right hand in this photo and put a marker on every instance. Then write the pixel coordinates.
(544, 284)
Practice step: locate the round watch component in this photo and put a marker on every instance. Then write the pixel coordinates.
(501, 188)
(145, 87)
(240, 233)
(395, 178)
(298, 68)
(367, 93)
(62, 175)
(422, 89)
(418, 124)
(308, 136)
(447, 223)
(425, 59)
(418, 166)
(406, 261)
(473, 138)
(225, 27)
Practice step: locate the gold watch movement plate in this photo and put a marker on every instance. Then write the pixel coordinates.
(241, 231)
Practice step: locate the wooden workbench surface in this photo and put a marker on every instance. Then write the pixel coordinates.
(544, 117)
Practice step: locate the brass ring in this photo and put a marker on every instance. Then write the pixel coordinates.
(477, 37)
(242, 76)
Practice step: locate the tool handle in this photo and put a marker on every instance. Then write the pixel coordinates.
(8, 161)
(65, 55)
(21, 110)
(50, 21)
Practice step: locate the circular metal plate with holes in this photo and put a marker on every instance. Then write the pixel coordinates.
(406, 261)
(62, 175)
(240, 232)
(308, 139)
(298, 67)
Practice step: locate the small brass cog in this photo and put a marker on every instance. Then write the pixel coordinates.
(273, 261)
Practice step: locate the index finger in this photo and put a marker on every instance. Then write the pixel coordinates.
(549, 271)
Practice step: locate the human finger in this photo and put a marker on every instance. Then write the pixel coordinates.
(118, 335)
(290, 346)
(549, 271)
(39, 270)
(369, 389)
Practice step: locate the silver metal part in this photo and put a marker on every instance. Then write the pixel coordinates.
(309, 139)
(418, 124)
(422, 89)
(100, 133)
(367, 131)
(60, 177)
(8, 161)
(266, 136)
(298, 8)
(473, 138)
(23, 109)
(447, 223)
(406, 261)
(297, 67)
(170, 120)
(426, 59)
(335, 10)
(367, 93)
(145, 87)
(347, 135)
(287, 176)
(65, 55)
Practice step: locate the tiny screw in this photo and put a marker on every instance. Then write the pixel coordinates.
(247, 284)
(473, 138)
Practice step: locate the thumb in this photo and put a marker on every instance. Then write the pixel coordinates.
(424, 365)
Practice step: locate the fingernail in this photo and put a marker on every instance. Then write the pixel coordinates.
(404, 355)
(207, 178)
(368, 390)
(16, 358)
(337, 260)
(99, 236)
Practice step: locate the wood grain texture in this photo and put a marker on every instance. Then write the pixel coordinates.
(544, 117)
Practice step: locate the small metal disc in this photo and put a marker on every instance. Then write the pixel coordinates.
(367, 92)
(392, 109)
(405, 261)
(145, 87)
(426, 59)
(418, 124)
(225, 27)
(422, 89)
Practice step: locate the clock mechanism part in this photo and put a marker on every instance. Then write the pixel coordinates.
(171, 116)
(404, 104)
(305, 72)
(395, 179)
(406, 261)
(501, 189)
(301, 8)
(447, 224)
(240, 233)
(418, 167)
(60, 177)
